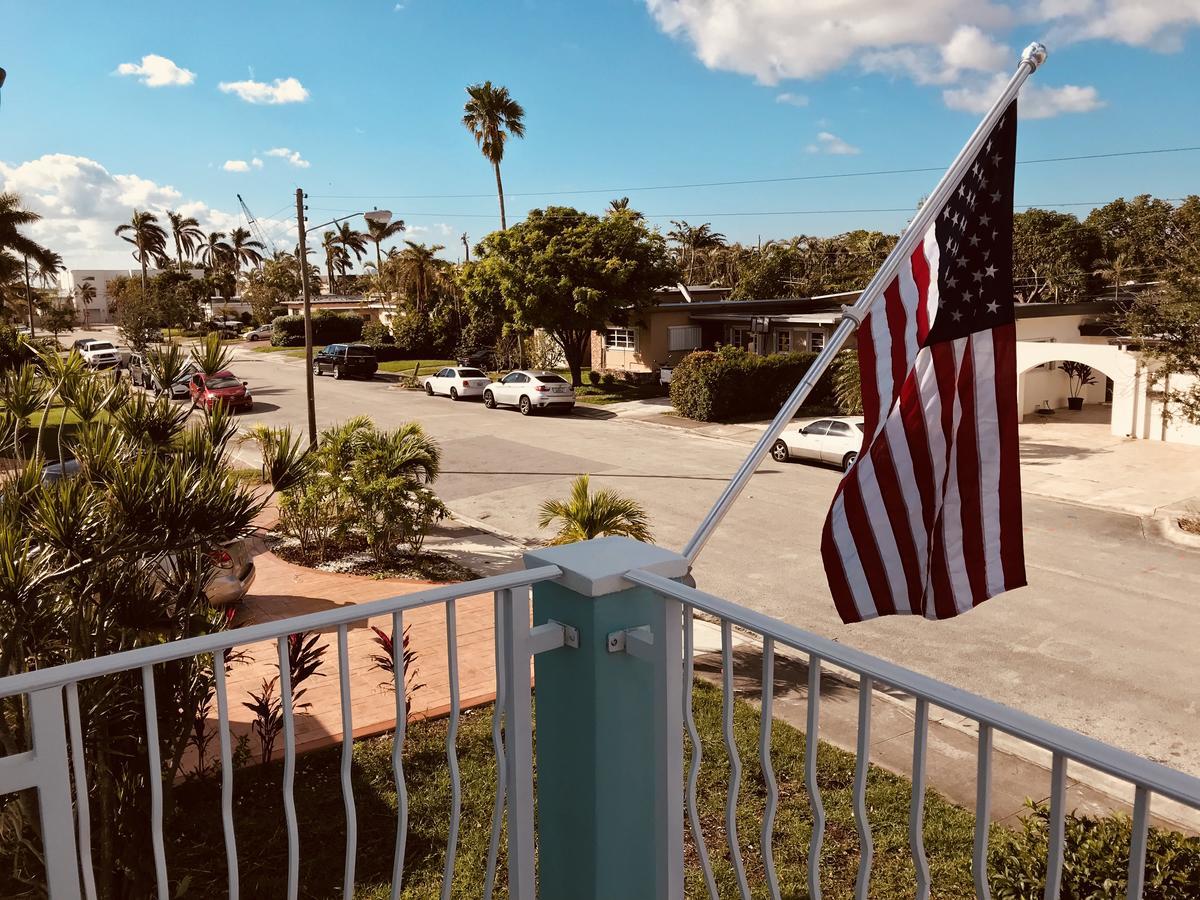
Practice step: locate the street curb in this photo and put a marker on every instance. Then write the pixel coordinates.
(1166, 526)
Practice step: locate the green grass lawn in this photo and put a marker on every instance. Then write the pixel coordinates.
(619, 392)
(408, 367)
(268, 347)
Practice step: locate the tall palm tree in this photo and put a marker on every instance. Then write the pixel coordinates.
(492, 116)
(187, 234)
(148, 238)
(13, 216)
(620, 206)
(337, 260)
(585, 515)
(215, 250)
(87, 293)
(352, 241)
(420, 272)
(1114, 268)
(692, 240)
(244, 249)
(378, 232)
(48, 268)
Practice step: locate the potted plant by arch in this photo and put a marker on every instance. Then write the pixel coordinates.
(1079, 376)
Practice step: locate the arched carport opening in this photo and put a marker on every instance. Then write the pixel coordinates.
(1043, 382)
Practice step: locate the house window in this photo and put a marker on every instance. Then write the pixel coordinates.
(740, 337)
(683, 337)
(816, 341)
(783, 342)
(620, 339)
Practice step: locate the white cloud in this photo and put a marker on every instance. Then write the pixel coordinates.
(157, 71)
(240, 165)
(292, 156)
(832, 144)
(968, 49)
(791, 99)
(1036, 101)
(81, 202)
(282, 90)
(1157, 24)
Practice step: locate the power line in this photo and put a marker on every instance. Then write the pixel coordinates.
(746, 181)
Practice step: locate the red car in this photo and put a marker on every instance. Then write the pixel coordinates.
(223, 387)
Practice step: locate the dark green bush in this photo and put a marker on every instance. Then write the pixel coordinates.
(377, 334)
(593, 377)
(608, 379)
(13, 351)
(710, 386)
(328, 328)
(1095, 859)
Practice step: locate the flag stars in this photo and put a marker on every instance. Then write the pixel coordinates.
(978, 276)
(952, 282)
(985, 220)
(993, 307)
(995, 196)
(956, 315)
(974, 240)
(990, 271)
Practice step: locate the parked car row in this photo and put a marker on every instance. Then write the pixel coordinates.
(528, 390)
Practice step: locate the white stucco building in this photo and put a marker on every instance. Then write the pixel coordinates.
(96, 311)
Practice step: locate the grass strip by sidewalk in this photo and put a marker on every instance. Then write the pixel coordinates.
(196, 849)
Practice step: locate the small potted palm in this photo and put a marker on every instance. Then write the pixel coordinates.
(1079, 376)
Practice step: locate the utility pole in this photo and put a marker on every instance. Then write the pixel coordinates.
(302, 252)
(466, 246)
(29, 296)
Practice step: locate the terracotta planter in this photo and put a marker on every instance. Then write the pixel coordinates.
(1075, 403)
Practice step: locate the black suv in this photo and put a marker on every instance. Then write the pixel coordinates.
(345, 360)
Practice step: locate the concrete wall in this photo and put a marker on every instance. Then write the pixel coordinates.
(653, 343)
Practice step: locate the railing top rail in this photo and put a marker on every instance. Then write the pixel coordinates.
(1119, 763)
(57, 676)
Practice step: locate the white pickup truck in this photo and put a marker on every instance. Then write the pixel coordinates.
(100, 354)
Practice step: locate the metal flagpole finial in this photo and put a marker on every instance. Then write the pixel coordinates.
(1035, 54)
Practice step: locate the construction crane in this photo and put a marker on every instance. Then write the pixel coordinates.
(258, 232)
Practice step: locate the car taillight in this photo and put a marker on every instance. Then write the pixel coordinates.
(541, 388)
(466, 383)
(221, 558)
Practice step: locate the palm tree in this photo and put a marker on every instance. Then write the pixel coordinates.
(585, 515)
(337, 260)
(148, 238)
(693, 240)
(13, 216)
(244, 249)
(215, 250)
(352, 241)
(620, 206)
(419, 271)
(87, 293)
(492, 116)
(378, 232)
(187, 233)
(1113, 269)
(48, 268)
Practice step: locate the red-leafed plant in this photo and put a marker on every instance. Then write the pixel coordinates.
(305, 658)
(268, 717)
(385, 662)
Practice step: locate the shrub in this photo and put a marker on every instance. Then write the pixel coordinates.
(1094, 859)
(328, 328)
(593, 377)
(608, 379)
(709, 386)
(377, 334)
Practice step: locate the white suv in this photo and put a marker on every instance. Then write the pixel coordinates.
(100, 354)
(530, 391)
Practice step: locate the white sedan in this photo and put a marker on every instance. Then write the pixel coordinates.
(530, 391)
(834, 440)
(457, 383)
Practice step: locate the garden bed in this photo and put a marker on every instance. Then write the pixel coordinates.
(353, 558)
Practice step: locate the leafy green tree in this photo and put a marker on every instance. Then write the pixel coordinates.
(1141, 229)
(1053, 256)
(133, 310)
(268, 288)
(58, 318)
(177, 297)
(493, 116)
(572, 273)
(587, 514)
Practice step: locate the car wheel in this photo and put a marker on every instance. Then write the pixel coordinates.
(428, 389)
(488, 400)
(779, 452)
(848, 460)
(316, 369)
(337, 373)
(525, 406)
(454, 394)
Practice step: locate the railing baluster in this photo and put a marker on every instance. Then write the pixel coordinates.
(735, 760)
(1058, 803)
(862, 764)
(83, 812)
(768, 772)
(811, 742)
(347, 763)
(398, 752)
(689, 720)
(518, 739)
(289, 768)
(983, 812)
(156, 798)
(452, 748)
(1137, 843)
(916, 814)
(231, 860)
(498, 746)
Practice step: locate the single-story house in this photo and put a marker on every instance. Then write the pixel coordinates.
(1126, 385)
(372, 309)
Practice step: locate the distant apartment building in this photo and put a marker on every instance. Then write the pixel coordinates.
(95, 311)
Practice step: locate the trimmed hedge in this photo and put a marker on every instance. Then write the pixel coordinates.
(328, 328)
(710, 386)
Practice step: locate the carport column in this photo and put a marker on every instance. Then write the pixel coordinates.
(609, 727)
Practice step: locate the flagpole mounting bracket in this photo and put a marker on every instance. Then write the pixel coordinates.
(854, 314)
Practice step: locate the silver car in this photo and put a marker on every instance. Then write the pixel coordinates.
(457, 382)
(834, 440)
(530, 391)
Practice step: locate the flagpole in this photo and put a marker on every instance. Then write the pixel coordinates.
(852, 316)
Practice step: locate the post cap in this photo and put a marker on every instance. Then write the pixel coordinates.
(1035, 55)
(595, 568)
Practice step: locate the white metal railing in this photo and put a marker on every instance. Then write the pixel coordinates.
(57, 755)
(49, 767)
(1145, 777)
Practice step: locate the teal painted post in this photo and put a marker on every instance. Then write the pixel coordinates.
(609, 728)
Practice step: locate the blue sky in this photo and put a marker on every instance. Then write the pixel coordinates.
(619, 95)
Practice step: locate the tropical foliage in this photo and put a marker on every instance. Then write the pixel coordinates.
(585, 514)
(493, 116)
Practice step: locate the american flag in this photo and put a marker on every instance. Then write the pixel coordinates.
(928, 520)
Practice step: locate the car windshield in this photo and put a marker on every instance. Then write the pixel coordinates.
(551, 379)
(359, 351)
(225, 381)
(100, 345)
(471, 373)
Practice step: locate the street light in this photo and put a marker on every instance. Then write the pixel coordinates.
(382, 216)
